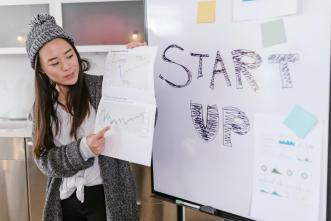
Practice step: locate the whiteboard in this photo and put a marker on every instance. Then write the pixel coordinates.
(217, 170)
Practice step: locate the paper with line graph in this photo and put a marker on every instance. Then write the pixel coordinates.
(130, 74)
(128, 104)
(131, 134)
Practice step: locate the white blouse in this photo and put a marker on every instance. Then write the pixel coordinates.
(88, 177)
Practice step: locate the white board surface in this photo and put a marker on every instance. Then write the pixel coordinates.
(213, 170)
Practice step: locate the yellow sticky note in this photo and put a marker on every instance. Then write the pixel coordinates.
(206, 11)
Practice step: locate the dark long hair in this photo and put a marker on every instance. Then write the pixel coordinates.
(46, 96)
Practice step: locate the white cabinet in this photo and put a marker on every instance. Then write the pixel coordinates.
(13, 177)
(16, 86)
(104, 23)
(14, 23)
(94, 24)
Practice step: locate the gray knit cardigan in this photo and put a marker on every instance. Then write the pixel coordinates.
(65, 161)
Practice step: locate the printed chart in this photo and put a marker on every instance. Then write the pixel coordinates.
(287, 171)
(128, 104)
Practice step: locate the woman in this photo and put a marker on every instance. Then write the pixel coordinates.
(82, 184)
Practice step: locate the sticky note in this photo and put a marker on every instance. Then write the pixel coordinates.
(273, 33)
(300, 121)
(206, 12)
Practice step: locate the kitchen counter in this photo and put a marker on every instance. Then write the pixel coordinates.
(15, 128)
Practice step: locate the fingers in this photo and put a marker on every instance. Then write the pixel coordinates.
(129, 45)
(96, 142)
(135, 44)
(99, 147)
(102, 132)
(99, 142)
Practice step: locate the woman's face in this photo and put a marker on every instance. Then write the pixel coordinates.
(59, 62)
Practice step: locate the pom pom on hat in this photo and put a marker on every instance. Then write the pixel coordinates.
(42, 18)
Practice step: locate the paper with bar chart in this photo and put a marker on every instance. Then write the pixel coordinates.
(287, 171)
(128, 104)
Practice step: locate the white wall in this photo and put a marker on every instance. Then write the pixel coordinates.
(17, 82)
(16, 86)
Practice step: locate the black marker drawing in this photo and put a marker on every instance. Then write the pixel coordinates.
(283, 60)
(188, 72)
(234, 120)
(241, 67)
(208, 131)
(201, 56)
(222, 70)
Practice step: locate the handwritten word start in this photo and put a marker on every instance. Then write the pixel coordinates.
(241, 66)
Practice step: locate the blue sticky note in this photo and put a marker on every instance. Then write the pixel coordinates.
(300, 121)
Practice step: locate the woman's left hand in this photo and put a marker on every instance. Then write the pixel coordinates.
(135, 44)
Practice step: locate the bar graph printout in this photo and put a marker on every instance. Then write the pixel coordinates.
(128, 104)
(287, 171)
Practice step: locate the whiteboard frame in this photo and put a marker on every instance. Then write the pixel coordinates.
(328, 196)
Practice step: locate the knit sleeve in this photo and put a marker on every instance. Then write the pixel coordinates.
(85, 149)
(62, 161)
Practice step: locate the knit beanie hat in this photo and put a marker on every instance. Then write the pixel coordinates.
(43, 29)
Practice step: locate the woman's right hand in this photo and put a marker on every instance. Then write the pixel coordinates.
(135, 44)
(96, 142)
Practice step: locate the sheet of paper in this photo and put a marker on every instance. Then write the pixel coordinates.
(287, 172)
(259, 9)
(130, 74)
(206, 12)
(128, 104)
(273, 33)
(132, 127)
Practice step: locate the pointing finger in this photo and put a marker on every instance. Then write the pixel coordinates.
(102, 132)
